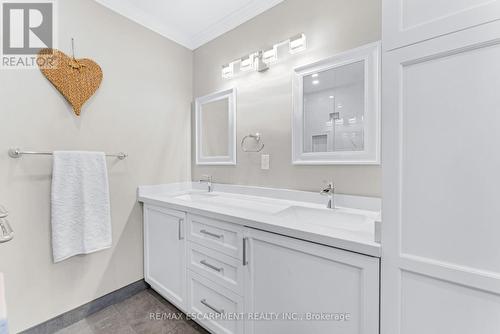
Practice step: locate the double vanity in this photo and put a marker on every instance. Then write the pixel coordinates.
(258, 260)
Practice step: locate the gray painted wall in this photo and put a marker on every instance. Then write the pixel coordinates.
(265, 99)
(142, 108)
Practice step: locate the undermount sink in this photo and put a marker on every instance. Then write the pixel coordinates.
(195, 196)
(338, 219)
(355, 227)
(233, 202)
(253, 204)
(331, 218)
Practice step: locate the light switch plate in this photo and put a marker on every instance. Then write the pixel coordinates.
(264, 161)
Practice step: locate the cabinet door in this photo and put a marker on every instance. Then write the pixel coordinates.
(165, 253)
(295, 280)
(440, 236)
(407, 22)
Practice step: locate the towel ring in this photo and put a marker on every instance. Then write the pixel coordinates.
(257, 137)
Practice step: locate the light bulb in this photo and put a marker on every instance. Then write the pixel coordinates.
(298, 43)
(228, 71)
(270, 56)
(248, 63)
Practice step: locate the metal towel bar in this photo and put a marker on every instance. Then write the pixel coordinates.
(17, 153)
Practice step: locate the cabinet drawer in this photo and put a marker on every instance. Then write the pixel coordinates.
(216, 234)
(213, 305)
(218, 267)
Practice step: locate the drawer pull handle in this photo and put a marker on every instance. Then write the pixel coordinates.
(211, 266)
(216, 310)
(181, 222)
(245, 261)
(218, 236)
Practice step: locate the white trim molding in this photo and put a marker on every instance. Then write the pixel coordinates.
(370, 55)
(251, 10)
(230, 159)
(189, 40)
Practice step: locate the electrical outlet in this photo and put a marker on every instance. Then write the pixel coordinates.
(264, 161)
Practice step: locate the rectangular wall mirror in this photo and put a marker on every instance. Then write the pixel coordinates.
(336, 118)
(216, 128)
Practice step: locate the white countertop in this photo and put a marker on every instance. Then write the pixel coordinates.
(297, 214)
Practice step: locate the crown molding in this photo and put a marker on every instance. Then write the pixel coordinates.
(231, 21)
(191, 42)
(140, 17)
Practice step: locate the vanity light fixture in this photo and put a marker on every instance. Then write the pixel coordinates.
(260, 60)
(270, 56)
(228, 71)
(315, 82)
(260, 64)
(298, 43)
(315, 75)
(248, 62)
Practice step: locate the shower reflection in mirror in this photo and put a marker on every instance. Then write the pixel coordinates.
(336, 109)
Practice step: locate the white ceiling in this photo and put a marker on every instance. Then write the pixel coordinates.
(191, 23)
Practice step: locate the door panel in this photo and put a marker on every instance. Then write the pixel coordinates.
(165, 253)
(467, 309)
(450, 126)
(407, 22)
(297, 279)
(440, 185)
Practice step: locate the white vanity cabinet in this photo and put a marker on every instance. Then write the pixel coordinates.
(298, 280)
(215, 273)
(233, 278)
(165, 253)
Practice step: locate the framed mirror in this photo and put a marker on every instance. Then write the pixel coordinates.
(336, 116)
(215, 119)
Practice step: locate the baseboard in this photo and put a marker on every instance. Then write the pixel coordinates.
(77, 314)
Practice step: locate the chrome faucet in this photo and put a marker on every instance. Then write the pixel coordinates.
(208, 180)
(330, 192)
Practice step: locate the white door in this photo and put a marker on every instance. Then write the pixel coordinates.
(298, 282)
(407, 22)
(165, 253)
(441, 185)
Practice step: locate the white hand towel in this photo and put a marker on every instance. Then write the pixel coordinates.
(3, 308)
(81, 219)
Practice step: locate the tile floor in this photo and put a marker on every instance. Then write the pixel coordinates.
(133, 316)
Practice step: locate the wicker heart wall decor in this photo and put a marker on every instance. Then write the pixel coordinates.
(76, 79)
